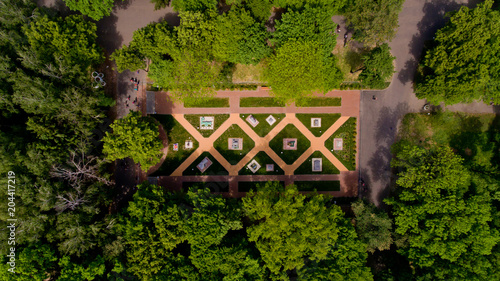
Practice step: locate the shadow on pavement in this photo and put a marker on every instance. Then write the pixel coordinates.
(435, 17)
(378, 169)
(108, 36)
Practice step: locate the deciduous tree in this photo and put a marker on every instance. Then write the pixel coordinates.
(444, 220)
(135, 137)
(373, 226)
(374, 21)
(464, 64)
(95, 9)
(378, 67)
(289, 227)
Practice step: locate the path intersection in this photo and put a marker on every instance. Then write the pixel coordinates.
(349, 108)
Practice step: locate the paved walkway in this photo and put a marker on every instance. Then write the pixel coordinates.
(347, 178)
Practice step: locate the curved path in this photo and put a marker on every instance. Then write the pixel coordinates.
(379, 119)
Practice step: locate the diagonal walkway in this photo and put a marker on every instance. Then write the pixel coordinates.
(261, 144)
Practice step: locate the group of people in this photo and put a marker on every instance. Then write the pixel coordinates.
(134, 81)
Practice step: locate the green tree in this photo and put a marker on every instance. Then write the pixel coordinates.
(332, 6)
(160, 4)
(345, 261)
(75, 272)
(374, 21)
(298, 69)
(464, 65)
(61, 48)
(442, 219)
(239, 39)
(36, 262)
(373, 226)
(261, 9)
(95, 9)
(135, 137)
(310, 24)
(194, 5)
(289, 227)
(378, 67)
(128, 58)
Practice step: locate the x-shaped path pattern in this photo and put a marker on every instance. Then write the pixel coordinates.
(261, 144)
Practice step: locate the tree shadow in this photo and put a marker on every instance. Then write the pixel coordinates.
(122, 4)
(435, 17)
(378, 166)
(108, 36)
(173, 19)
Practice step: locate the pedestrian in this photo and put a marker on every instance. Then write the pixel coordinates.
(338, 28)
(345, 36)
(132, 80)
(135, 99)
(374, 97)
(128, 98)
(126, 104)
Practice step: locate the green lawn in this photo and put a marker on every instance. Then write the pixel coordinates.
(289, 156)
(318, 185)
(222, 186)
(262, 158)
(327, 121)
(348, 154)
(261, 102)
(263, 128)
(234, 156)
(249, 73)
(194, 119)
(216, 169)
(176, 134)
(475, 137)
(246, 186)
(208, 102)
(316, 102)
(306, 167)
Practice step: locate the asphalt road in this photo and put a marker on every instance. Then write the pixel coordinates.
(380, 118)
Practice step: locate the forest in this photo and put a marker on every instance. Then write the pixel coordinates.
(58, 148)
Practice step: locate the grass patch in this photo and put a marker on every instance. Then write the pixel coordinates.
(318, 102)
(350, 59)
(472, 136)
(194, 119)
(216, 169)
(214, 186)
(176, 134)
(348, 154)
(263, 128)
(261, 102)
(234, 156)
(262, 158)
(289, 156)
(246, 186)
(306, 167)
(327, 121)
(208, 102)
(249, 73)
(318, 185)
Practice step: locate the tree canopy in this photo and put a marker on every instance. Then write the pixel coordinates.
(443, 217)
(374, 227)
(291, 227)
(135, 137)
(374, 21)
(463, 65)
(378, 67)
(298, 69)
(95, 9)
